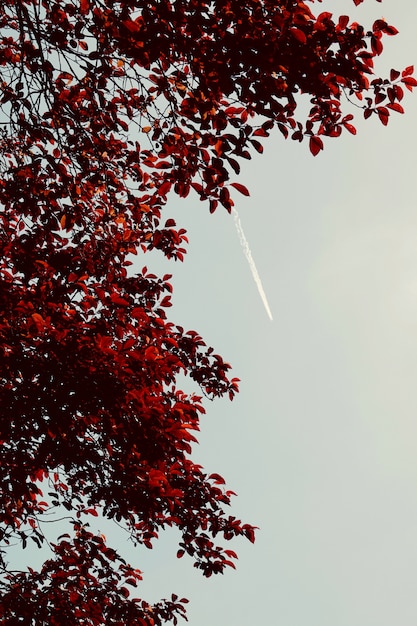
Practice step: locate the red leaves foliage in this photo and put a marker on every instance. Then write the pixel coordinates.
(106, 109)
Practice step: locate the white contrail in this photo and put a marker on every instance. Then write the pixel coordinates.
(249, 257)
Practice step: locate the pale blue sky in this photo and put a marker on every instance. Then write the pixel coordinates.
(321, 442)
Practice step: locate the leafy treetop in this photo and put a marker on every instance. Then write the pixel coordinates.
(105, 108)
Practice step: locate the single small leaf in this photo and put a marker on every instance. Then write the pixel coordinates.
(394, 74)
(316, 144)
(343, 22)
(38, 319)
(408, 71)
(409, 82)
(84, 6)
(299, 35)
(383, 115)
(241, 188)
(395, 106)
(91, 512)
(261, 132)
(350, 128)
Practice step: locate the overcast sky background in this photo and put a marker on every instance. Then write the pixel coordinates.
(321, 442)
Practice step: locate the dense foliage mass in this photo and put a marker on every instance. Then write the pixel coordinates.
(106, 107)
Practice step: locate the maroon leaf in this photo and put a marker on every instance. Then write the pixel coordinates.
(241, 188)
(316, 144)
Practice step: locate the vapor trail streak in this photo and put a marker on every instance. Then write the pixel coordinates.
(249, 258)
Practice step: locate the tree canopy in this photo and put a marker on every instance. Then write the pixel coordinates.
(107, 108)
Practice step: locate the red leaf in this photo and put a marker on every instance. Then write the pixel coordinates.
(231, 553)
(166, 302)
(218, 480)
(118, 300)
(299, 35)
(39, 321)
(257, 145)
(151, 353)
(283, 129)
(164, 188)
(399, 92)
(409, 82)
(376, 45)
(243, 190)
(379, 97)
(91, 512)
(408, 71)
(350, 128)
(249, 532)
(343, 22)
(73, 596)
(233, 110)
(213, 205)
(383, 115)
(395, 106)
(390, 30)
(84, 6)
(316, 145)
(261, 132)
(198, 188)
